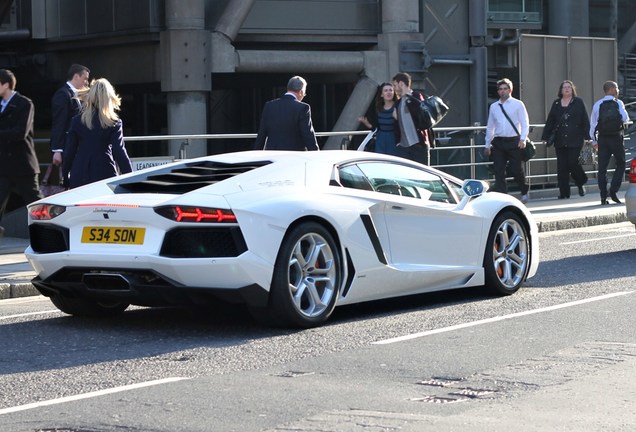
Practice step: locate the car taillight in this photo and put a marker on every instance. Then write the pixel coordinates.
(45, 211)
(632, 171)
(196, 214)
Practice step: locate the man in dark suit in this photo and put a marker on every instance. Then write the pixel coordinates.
(19, 167)
(64, 106)
(286, 121)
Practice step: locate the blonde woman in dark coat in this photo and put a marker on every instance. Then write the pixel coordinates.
(95, 141)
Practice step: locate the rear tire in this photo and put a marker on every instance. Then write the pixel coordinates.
(507, 255)
(88, 308)
(307, 278)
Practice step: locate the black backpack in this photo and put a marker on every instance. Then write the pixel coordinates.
(610, 120)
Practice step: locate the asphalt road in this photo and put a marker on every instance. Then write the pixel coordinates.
(558, 355)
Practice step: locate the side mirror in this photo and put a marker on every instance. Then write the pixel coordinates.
(474, 188)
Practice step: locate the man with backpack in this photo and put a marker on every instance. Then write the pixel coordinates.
(607, 123)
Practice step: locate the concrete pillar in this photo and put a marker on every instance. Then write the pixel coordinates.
(356, 105)
(479, 86)
(233, 16)
(400, 21)
(569, 18)
(613, 21)
(224, 57)
(478, 32)
(185, 76)
(187, 115)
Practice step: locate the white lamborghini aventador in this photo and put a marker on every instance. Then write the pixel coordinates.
(291, 234)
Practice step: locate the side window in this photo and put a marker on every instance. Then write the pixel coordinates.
(457, 188)
(396, 179)
(351, 177)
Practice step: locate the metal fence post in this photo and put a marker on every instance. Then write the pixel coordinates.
(182, 149)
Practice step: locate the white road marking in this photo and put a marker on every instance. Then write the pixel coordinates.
(499, 318)
(89, 395)
(29, 314)
(18, 300)
(598, 239)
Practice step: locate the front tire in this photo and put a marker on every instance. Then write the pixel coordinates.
(307, 277)
(507, 255)
(88, 308)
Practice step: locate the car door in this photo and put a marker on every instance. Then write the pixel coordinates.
(426, 231)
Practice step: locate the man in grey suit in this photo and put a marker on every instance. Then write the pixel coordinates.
(286, 121)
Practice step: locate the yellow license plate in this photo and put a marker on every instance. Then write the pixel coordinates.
(113, 235)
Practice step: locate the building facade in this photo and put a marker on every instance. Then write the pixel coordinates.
(208, 66)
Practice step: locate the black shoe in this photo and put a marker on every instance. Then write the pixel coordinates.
(582, 190)
(614, 197)
(563, 197)
(604, 201)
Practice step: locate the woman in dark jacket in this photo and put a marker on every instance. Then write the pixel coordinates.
(567, 127)
(95, 140)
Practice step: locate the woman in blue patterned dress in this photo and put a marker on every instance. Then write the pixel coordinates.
(386, 124)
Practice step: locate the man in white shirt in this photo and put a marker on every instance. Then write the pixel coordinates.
(609, 143)
(505, 139)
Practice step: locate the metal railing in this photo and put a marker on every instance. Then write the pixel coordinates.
(474, 163)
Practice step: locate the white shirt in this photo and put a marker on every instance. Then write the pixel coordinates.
(70, 84)
(4, 103)
(499, 126)
(594, 115)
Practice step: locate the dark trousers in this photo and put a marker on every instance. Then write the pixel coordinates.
(609, 146)
(506, 155)
(568, 164)
(27, 186)
(418, 153)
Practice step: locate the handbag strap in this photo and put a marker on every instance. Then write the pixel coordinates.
(510, 121)
(47, 174)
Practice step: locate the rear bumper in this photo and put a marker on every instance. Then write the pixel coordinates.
(142, 287)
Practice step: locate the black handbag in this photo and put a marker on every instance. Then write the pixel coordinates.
(432, 111)
(530, 150)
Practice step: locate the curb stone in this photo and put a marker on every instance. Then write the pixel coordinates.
(15, 290)
(582, 222)
(23, 289)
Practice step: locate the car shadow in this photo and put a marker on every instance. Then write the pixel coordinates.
(67, 341)
(64, 342)
(583, 269)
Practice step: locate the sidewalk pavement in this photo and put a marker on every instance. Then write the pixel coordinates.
(551, 214)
